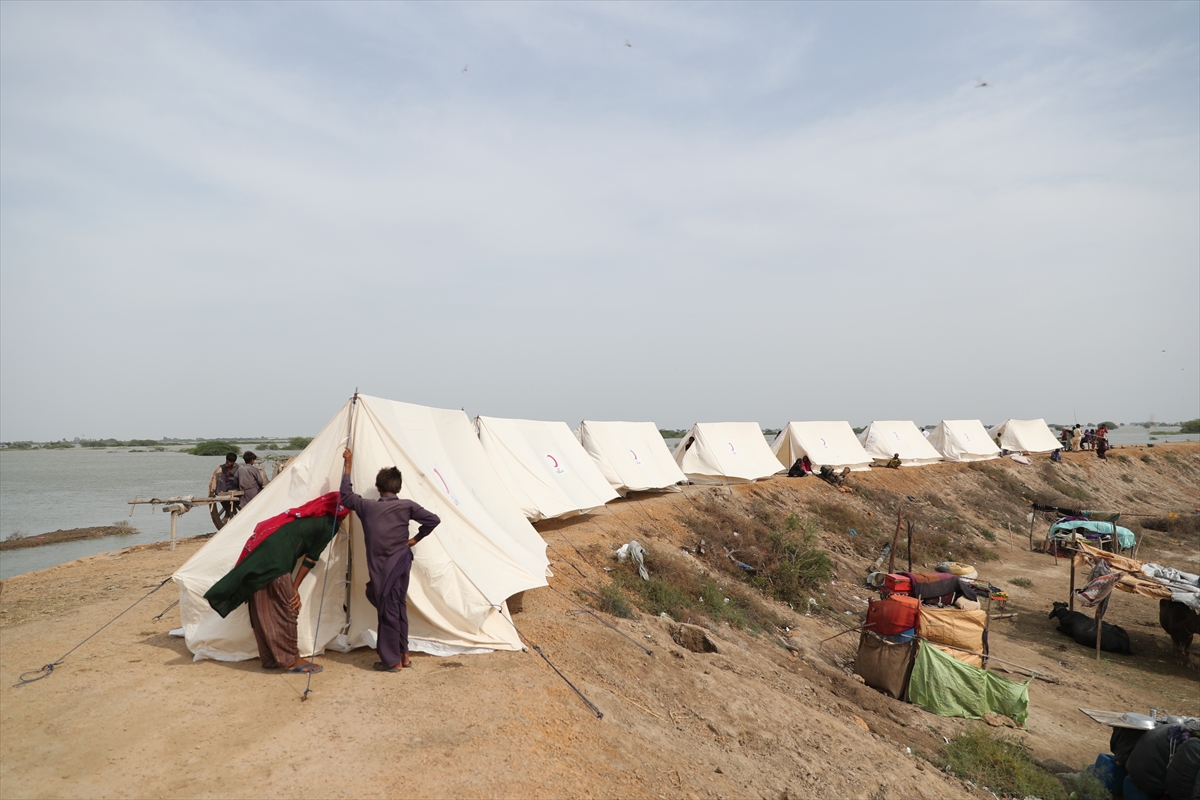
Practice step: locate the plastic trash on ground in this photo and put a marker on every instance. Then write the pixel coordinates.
(637, 553)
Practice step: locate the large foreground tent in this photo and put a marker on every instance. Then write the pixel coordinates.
(963, 440)
(631, 456)
(725, 452)
(827, 444)
(1025, 436)
(546, 470)
(483, 552)
(886, 439)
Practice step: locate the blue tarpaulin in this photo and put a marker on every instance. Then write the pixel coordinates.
(1125, 537)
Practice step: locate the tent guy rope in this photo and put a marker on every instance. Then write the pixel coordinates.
(48, 669)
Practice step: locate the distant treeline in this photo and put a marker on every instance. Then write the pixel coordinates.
(218, 447)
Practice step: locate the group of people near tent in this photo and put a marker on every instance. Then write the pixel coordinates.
(1091, 439)
(328, 582)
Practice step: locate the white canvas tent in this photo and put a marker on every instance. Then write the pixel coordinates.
(884, 439)
(830, 444)
(632, 456)
(1025, 436)
(963, 440)
(725, 452)
(546, 470)
(483, 552)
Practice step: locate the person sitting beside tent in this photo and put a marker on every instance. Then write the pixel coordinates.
(894, 461)
(801, 469)
(250, 478)
(262, 578)
(389, 557)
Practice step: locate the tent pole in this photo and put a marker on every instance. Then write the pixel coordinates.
(174, 518)
(1099, 626)
(1032, 518)
(1071, 596)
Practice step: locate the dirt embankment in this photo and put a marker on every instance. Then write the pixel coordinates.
(69, 535)
(718, 712)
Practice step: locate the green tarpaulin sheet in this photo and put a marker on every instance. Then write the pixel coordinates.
(1125, 537)
(949, 688)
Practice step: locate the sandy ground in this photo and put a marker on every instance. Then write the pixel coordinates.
(129, 714)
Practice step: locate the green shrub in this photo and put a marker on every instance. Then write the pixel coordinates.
(1146, 459)
(986, 534)
(1024, 583)
(298, 442)
(214, 447)
(1124, 459)
(58, 446)
(1000, 763)
(1191, 426)
(98, 443)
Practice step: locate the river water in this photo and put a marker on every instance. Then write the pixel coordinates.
(48, 490)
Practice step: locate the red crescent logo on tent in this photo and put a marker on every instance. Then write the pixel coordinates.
(443, 480)
(553, 460)
(731, 446)
(823, 442)
(635, 458)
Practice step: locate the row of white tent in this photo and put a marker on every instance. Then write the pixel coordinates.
(488, 479)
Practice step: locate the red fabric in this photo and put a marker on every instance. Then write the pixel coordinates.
(893, 615)
(323, 506)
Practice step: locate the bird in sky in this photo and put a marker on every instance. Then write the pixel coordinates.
(627, 44)
(981, 83)
(465, 67)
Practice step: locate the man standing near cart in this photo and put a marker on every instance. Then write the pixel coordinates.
(250, 478)
(385, 524)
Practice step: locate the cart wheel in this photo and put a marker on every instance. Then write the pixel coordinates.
(220, 516)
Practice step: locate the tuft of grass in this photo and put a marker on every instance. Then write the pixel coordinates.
(676, 589)
(1024, 583)
(612, 599)
(1124, 459)
(986, 534)
(1000, 763)
(777, 555)
(1087, 785)
(1127, 479)
(1146, 459)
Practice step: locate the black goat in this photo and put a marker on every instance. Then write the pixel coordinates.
(1082, 628)
(1180, 623)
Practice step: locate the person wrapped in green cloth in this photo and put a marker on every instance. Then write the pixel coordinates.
(263, 580)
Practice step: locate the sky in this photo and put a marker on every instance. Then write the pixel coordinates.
(221, 219)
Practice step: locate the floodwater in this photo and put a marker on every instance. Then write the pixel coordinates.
(48, 490)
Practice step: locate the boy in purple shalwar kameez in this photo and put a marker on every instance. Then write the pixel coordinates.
(389, 557)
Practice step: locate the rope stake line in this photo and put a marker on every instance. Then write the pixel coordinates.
(312, 659)
(538, 650)
(48, 669)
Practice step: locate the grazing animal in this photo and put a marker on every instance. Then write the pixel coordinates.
(1180, 623)
(1082, 628)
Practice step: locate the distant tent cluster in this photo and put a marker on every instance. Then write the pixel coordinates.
(487, 480)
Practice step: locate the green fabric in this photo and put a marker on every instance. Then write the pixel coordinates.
(949, 688)
(1125, 537)
(276, 556)
(1103, 516)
